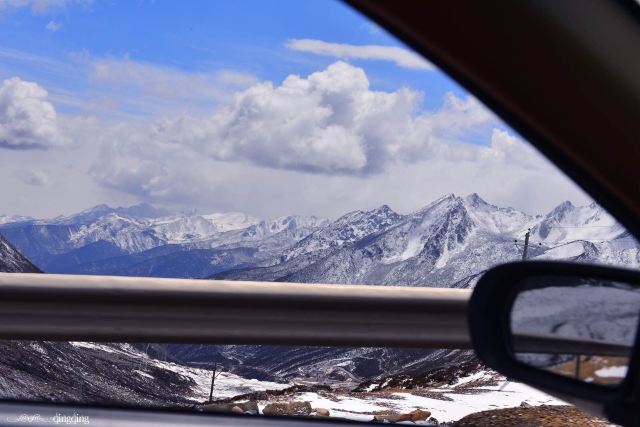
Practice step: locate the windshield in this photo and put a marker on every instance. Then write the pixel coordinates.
(271, 141)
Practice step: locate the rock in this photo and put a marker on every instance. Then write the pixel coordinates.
(392, 417)
(525, 405)
(218, 407)
(250, 407)
(260, 395)
(321, 412)
(395, 417)
(419, 415)
(535, 416)
(434, 378)
(295, 409)
(433, 421)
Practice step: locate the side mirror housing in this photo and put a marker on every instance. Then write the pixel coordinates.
(569, 329)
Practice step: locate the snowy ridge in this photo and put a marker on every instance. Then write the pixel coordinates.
(568, 223)
(6, 219)
(346, 229)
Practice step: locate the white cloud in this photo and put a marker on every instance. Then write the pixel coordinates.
(52, 26)
(39, 6)
(325, 144)
(27, 119)
(400, 56)
(329, 123)
(319, 144)
(33, 177)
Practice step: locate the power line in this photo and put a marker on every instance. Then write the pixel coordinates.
(525, 249)
(577, 226)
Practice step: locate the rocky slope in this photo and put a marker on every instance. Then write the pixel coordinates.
(108, 374)
(326, 365)
(12, 261)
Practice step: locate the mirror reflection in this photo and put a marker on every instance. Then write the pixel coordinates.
(577, 327)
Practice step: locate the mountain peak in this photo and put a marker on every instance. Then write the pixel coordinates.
(102, 207)
(143, 210)
(444, 201)
(474, 199)
(561, 210)
(384, 210)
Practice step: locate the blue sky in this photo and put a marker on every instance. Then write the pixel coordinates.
(204, 36)
(265, 107)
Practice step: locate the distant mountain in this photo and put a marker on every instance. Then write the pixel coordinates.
(142, 210)
(5, 219)
(142, 241)
(12, 261)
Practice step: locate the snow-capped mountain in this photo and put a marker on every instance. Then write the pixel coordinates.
(12, 261)
(347, 229)
(447, 243)
(569, 223)
(142, 240)
(5, 219)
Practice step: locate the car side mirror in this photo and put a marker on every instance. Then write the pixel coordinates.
(569, 329)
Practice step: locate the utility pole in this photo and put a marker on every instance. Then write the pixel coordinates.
(213, 380)
(526, 244)
(525, 249)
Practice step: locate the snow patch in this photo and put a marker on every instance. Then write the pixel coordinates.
(612, 372)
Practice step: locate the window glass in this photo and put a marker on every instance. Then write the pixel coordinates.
(273, 141)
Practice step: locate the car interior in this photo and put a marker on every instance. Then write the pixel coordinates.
(566, 76)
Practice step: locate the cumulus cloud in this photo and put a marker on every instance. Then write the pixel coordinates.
(511, 174)
(52, 26)
(27, 119)
(329, 124)
(320, 144)
(401, 57)
(33, 177)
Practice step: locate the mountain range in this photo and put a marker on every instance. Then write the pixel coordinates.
(447, 243)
